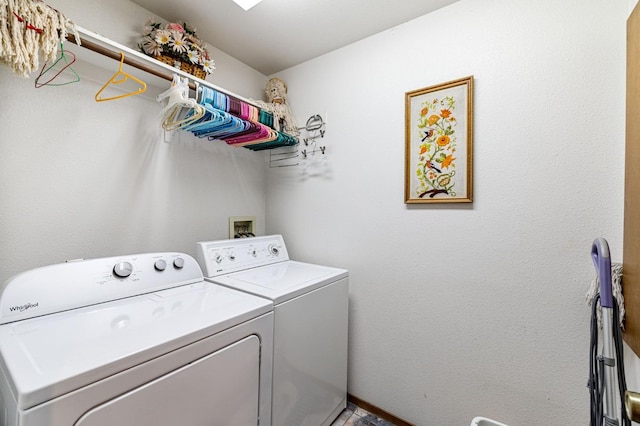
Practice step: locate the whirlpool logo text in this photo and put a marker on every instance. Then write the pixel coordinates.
(24, 307)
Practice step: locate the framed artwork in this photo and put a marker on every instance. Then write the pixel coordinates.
(439, 143)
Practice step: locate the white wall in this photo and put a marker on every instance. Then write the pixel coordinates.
(81, 179)
(466, 310)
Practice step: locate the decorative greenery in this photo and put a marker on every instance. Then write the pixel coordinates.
(436, 162)
(176, 40)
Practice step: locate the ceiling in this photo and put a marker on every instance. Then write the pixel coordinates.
(278, 34)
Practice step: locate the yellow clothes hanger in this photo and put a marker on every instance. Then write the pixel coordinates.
(65, 64)
(118, 78)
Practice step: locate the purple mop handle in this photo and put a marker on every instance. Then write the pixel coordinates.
(602, 262)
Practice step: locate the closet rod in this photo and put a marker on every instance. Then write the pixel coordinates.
(111, 49)
(116, 55)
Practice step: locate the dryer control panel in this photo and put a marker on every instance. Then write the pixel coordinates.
(227, 256)
(79, 283)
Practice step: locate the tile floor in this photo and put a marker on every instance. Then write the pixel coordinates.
(356, 416)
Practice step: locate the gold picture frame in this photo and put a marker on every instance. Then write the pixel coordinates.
(439, 143)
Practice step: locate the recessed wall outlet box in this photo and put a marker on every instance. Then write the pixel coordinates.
(242, 226)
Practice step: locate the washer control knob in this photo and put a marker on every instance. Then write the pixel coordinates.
(160, 265)
(178, 263)
(274, 250)
(218, 258)
(122, 269)
(232, 257)
(254, 253)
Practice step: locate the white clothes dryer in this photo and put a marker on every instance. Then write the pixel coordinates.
(130, 341)
(311, 323)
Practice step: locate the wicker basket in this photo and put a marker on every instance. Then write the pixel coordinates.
(195, 70)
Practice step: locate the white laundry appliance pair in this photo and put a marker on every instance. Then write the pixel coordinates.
(145, 340)
(310, 323)
(130, 341)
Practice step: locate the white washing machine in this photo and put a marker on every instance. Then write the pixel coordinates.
(311, 320)
(130, 341)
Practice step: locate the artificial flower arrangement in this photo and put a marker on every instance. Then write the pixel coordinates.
(177, 45)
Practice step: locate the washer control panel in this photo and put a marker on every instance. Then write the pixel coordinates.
(227, 256)
(78, 283)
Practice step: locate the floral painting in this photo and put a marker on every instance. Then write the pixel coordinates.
(438, 152)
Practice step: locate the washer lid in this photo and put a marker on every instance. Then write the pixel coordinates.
(282, 281)
(49, 356)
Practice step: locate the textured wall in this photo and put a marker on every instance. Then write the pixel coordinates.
(459, 311)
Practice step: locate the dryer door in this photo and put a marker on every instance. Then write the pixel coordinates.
(203, 393)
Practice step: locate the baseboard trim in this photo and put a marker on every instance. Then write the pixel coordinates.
(378, 411)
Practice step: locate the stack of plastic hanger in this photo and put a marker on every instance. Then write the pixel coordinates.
(216, 116)
(180, 110)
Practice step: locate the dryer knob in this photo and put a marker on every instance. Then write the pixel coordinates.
(122, 269)
(178, 263)
(160, 265)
